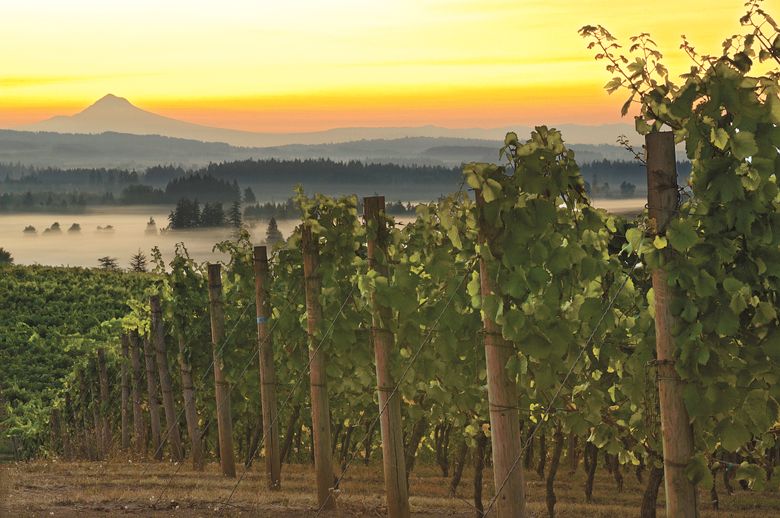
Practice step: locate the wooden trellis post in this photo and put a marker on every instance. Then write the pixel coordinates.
(320, 409)
(221, 386)
(105, 424)
(139, 426)
(171, 421)
(154, 405)
(125, 404)
(190, 408)
(267, 371)
(502, 398)
(393, 459)
(662, 198)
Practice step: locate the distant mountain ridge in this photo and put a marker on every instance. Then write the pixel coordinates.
(116, 114)
(121, 150)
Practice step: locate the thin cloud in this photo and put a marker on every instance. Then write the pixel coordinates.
(30, 81)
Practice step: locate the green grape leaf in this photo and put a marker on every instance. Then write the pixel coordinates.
(681, 235)
(698, 472)
(743, 145)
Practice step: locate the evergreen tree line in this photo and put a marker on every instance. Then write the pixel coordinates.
(289, 210)
(18, 177)
(616, 178)
(188, 213)
(201, 186)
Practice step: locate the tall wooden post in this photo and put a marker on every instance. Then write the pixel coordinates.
(662, 197)
(154, 404)
(221, 386)
(98, 451)
(105, 426)
(320, 410)
(267, 372)
(171, 420)
(55, 430)
(502, 397)
(139, 426)
(393, 459)
(125, 405)
(69, 429)
(190, 408)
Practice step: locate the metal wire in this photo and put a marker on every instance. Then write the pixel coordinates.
(240, 376)
(292, 391)
(181, 412)
(548, 410)
(395, 389)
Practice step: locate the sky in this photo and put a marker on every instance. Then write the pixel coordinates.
(305, 65)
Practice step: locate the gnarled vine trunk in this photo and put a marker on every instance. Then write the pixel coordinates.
(554, 462)
(591, 460)
(190, 407)
(479, 466)
(460, 463)
(650, 496)
(414, 443)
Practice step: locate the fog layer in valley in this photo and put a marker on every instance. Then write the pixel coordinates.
(130, 233)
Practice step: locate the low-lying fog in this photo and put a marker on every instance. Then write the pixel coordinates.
(129, 234)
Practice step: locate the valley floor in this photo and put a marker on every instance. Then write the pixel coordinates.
(124, 488)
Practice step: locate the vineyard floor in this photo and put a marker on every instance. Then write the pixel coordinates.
(118, 489)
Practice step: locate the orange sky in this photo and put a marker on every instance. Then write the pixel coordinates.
(305, 65)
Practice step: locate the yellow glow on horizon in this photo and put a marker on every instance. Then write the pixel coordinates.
(306, 65)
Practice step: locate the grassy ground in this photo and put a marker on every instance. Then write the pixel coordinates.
(87, 489)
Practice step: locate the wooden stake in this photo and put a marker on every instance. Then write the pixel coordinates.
(662, 197)
(190, 408)
(154, 405)
(139, 426)
(502, 398)
(171, 420)
(105, 426)
(97, 448)
(320, 410)
(221, 386)
(125, 405)
(393, 459)
(267, 372)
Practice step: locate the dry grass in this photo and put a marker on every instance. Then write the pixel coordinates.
(114, 488)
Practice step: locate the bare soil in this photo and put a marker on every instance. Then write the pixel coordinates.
(127, 488)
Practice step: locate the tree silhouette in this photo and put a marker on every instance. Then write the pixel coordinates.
(138, 262)
(234, 215)
(5, 257)
(272, 234)
(108, 263)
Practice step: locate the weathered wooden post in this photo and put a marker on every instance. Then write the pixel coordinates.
(125, 410)
(139, 426)
(267, 372)
(320, 410)
(105, 425)
(393, 459)
(190, 409)
(154, 405)
(221, 386)
(662, 198)
(171, 421)
(502, 396)
(56, 436)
